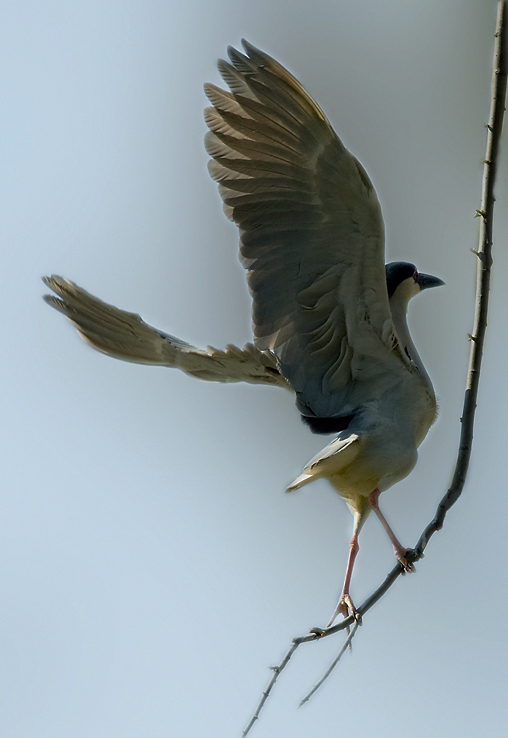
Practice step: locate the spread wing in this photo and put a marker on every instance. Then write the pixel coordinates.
(126, 336)
(311, 235)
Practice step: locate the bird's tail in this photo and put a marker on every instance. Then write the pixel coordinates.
(341, 452)
(300, 481)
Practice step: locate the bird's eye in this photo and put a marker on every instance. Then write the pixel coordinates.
(415, 275)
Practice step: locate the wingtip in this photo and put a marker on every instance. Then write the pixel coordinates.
(55, 280)
(257, 56)
(56, 303)
(63, 289)
(232, 52)
(50, 280)
(51, 283)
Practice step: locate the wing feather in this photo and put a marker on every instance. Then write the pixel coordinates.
(126, 336)
(311, 234)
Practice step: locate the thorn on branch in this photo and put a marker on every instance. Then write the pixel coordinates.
(480, 254)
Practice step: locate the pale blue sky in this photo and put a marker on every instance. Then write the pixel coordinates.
(151, 566)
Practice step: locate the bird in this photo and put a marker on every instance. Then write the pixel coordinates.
(329, 317)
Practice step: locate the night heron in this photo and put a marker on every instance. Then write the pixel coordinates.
(329, 318)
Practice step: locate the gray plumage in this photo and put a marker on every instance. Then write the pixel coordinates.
(329, 319)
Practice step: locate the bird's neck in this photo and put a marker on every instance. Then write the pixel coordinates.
(399, 317)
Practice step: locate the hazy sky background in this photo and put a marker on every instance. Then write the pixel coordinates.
(151, 566)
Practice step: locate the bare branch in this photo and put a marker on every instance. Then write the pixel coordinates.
(483, 267)
(334, 663)
(477, 337)
(276, 671)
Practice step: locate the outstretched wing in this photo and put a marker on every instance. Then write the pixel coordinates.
(126, 336)
(311, 234)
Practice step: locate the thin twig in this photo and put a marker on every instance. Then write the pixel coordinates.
(276, 671)
(334, 663)
(295, 643)
(484, 263)
(483, 267)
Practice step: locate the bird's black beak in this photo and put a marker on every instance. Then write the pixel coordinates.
(427, 280)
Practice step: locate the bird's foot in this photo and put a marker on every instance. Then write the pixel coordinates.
(346, 608)
(401, 554)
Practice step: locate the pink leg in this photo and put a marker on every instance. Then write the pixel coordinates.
(400, 551)
(345, 605)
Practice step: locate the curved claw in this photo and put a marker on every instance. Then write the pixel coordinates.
(401, 556)
(346, 608)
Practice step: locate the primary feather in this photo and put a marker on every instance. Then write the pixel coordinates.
(311, 235)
